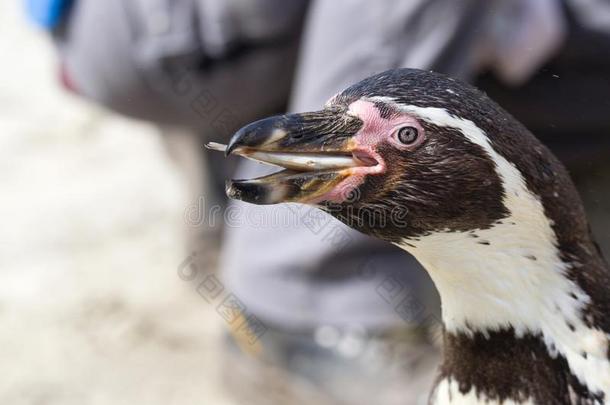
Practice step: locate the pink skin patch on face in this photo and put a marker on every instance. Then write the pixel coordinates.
(375, 131)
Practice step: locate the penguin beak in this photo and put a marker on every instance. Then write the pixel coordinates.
(316, 150)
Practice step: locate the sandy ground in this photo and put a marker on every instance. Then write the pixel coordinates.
(91, 308)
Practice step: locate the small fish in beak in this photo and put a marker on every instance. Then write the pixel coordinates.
(294, 161)
(315, 149)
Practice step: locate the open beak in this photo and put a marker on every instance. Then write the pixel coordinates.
(315, 149)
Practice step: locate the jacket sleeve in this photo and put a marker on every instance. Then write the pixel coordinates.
(208, 64)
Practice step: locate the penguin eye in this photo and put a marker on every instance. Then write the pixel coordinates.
(408, 135)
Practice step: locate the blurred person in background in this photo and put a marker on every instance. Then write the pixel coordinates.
(347, 319)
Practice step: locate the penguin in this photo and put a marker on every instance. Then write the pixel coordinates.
(434, 166)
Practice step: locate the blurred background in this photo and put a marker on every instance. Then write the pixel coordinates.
(125, 275)
(92, 310)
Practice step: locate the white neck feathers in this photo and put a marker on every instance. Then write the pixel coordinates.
(511, 275)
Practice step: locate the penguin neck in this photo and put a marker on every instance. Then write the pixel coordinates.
(510, 274)
(509, 286)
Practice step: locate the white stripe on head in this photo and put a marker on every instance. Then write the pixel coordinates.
(495, 286)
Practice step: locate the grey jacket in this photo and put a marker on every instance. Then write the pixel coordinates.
(212, 65)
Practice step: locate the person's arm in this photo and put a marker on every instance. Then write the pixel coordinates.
(196, 63)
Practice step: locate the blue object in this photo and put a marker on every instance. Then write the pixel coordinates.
(47, 13)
